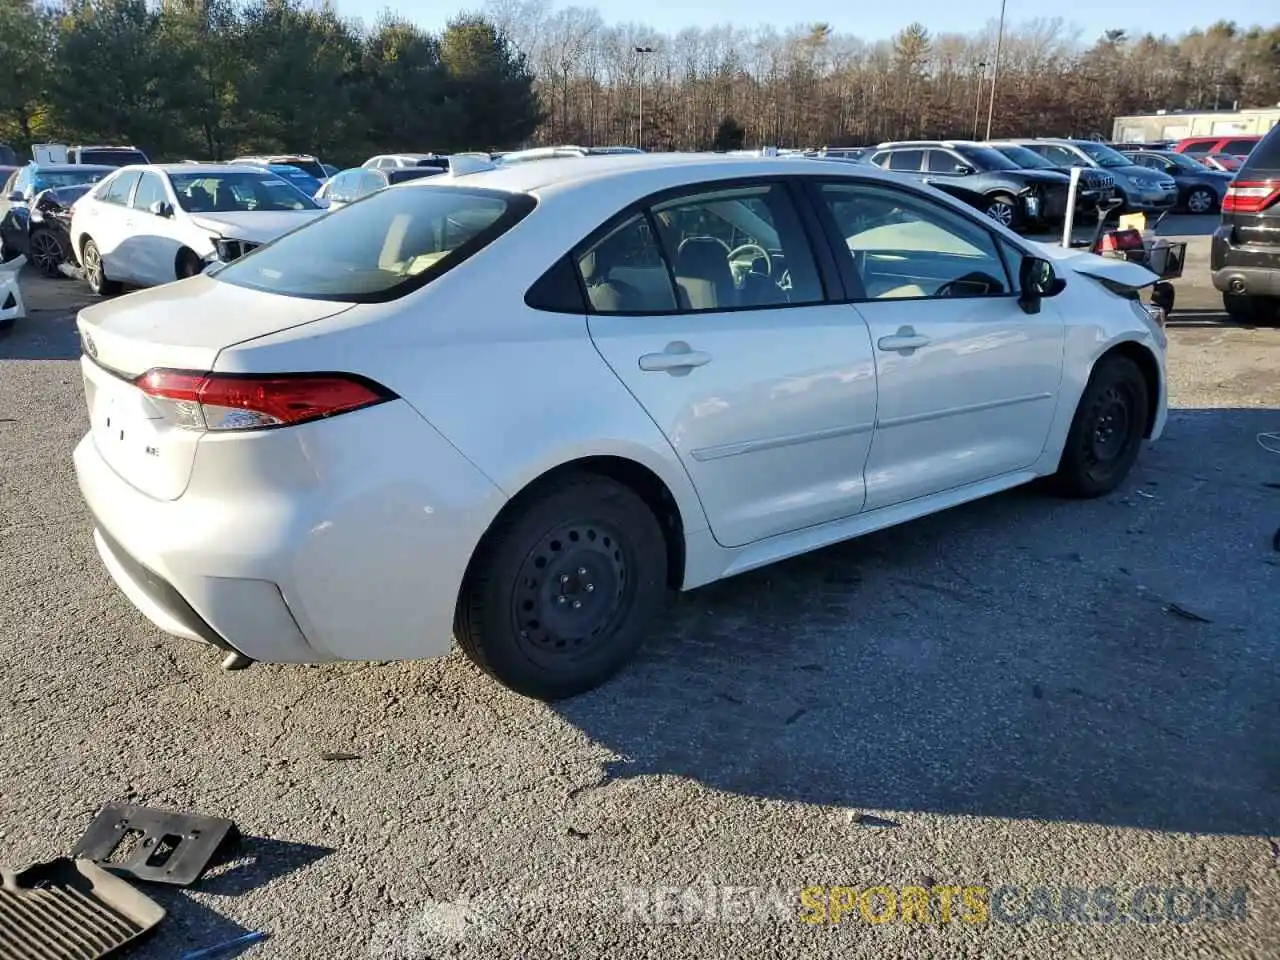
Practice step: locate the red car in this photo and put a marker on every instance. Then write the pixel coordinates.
(1197, 147)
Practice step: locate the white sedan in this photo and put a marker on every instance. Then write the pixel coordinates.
(148, 225)
(519, 406)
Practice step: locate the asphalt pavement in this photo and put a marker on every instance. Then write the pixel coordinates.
(1021, 693)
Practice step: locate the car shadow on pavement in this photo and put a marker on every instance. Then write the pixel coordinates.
(1110, 661)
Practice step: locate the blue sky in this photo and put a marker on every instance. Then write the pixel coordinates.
(868, 20)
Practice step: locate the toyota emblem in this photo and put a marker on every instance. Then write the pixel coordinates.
(89, 346)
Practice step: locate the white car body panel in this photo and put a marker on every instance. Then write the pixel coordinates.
(361, 527)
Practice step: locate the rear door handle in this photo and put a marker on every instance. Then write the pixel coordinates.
(904, 341)
(676, 359)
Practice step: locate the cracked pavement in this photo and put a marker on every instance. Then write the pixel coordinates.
(1001, 694)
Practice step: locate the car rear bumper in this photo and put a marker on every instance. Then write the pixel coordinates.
(329, 545)
(1244, 269)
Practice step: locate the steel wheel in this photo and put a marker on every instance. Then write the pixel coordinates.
(47, 252)
(1110, 429)
(1001, 210)
(1200, 200)
(570, 592)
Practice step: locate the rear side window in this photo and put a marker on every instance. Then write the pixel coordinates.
(1199, 148)
(113, 158)
(1240, 148)
(1265, 154)
(382, 247)
(905, 159)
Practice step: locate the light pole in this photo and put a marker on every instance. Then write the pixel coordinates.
(977, 95)
(642, 51)
(995, 70)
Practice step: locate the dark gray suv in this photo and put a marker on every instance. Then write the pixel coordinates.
(1245, 253)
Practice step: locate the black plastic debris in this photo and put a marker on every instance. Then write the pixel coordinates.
(160, 846)
(70, 910)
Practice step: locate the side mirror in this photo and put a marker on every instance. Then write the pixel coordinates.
(963, 170)
(161, 209)
(1037, 280)
(17, 197)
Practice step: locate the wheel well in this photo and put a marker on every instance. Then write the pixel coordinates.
(182, 255)
(642, 481)
(1150, 374)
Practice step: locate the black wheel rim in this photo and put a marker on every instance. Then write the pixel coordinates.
(1111, 430)
(571, 593)
(46, 252)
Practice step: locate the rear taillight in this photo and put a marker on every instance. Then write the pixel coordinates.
(1250, 196)
(229, 401)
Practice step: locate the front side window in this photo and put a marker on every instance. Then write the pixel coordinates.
(906, 247)
(942, 161)
(389, 244)
(237, 191)
(118, 190)
(1059, 156)
(150, 190)
(113, 158)
(1240, 148)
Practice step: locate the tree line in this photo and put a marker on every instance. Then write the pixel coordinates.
(207, 79)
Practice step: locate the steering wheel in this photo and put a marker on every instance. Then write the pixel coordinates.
(716, 239)
(762, 253)
(948, 289)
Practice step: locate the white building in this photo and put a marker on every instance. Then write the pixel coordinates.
(1176, 124)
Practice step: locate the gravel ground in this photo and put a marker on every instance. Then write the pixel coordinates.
(999, 695)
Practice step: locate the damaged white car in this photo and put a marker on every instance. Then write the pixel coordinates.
(148, 225)
(518, 406)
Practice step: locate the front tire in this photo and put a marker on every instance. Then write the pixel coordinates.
(1106, 432)
(1201, 200)
(561, 591)
(47, 252)
(1003, 209)
(94, 272)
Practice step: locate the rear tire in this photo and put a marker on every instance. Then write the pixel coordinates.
(94, 272)
(1244, 308)
(561, 591)
(1106, 432)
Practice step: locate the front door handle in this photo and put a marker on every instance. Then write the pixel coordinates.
(905, 340)
(677, 359)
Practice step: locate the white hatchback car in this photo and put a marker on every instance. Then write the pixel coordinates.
(147, 225)
(517, 407)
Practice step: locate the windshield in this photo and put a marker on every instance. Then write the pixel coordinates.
(986, 158)
(237, 191)
(1104, 156)
(1185, 163)
(300, 179)
(113, 158)
(46, 179)
(381, 246)
(1024, 158)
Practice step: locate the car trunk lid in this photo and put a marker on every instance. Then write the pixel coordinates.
(181, 326)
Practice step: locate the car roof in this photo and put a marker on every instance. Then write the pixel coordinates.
(209, 168)
(567, 174)
(68, 167)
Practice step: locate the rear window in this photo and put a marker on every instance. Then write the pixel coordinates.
(113, 158)
(1265, 155)
(381, 247)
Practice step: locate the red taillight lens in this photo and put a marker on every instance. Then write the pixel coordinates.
(1250, 196)
(224, 401)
